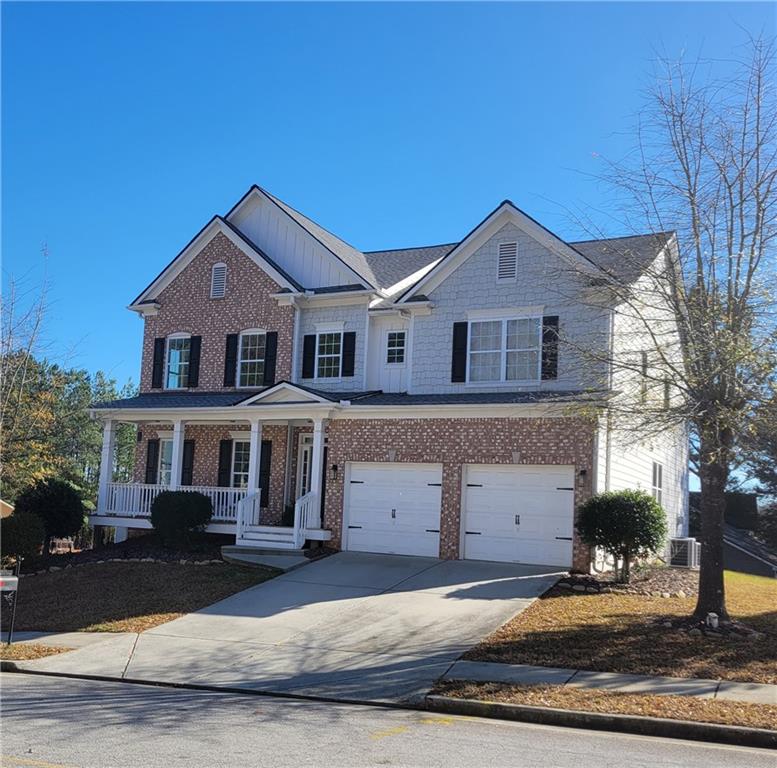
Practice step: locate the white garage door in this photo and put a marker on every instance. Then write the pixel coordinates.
(519, 514)
(393, 508)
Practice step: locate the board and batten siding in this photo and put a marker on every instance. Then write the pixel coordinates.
(544, 279)
(289, 245)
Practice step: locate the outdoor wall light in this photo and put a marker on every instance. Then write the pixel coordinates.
(583, 472)
(333, 470)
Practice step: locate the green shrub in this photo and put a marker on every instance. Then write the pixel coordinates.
(57, 503)
(21, 534)
(627, 524)
(175, 515)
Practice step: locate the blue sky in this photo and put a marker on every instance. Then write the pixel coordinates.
(125, 127)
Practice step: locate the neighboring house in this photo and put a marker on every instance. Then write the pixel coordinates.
(423, 401)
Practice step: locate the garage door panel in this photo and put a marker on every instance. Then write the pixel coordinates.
(519, 513)
(394, 508)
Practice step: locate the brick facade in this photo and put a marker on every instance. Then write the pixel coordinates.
(186, 307)
(453, 442)
(206, 458)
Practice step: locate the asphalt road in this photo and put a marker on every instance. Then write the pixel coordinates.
(49, 722)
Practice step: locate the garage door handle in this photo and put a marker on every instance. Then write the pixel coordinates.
(563, 538)
(436, 485)
(357, 482)
(474, 485)
(473, 533)
(394, 514)
(432, 530)
(517, 519)
(354, 526)
(565, 489)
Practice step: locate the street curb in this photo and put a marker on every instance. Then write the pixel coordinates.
(644, 726)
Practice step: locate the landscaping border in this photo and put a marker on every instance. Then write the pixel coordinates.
(740, 736)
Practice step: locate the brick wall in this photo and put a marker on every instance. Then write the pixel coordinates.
(186, 307)
(206, 457)
(453, 442)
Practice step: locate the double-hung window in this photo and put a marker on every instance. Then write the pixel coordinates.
(505, 350)
(177, 368)
(657, 488)
(250, 363)
(241, 451)
(165, 469)
(395, 347)
(329, 355)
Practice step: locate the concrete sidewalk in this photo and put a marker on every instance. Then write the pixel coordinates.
(524, 674)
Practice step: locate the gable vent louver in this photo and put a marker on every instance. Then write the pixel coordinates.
(507, 268)
(218, 281)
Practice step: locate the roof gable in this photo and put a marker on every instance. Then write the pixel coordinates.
(286, 392)
(505, 212)
(215, 226)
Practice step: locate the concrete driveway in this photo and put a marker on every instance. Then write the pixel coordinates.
(350, 626)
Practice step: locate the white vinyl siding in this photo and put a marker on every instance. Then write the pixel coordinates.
(218, 281)
(505, 350)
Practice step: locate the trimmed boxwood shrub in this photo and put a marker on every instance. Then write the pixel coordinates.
(21, 534)
(57, 503)
(175, 515)
(627, 524)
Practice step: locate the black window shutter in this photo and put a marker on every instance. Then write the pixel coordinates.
(187, 467)
(349, 353)
(230, 360)
(459, 356)
(158, 367)
(225, 463)
(549, 347)
(264, 473)
(195, 344)
(152, 461)
(270, 354)
(309, 356)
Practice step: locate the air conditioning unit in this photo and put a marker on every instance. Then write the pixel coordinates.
(684, 553)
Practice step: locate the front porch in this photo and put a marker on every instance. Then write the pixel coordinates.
(265, 477)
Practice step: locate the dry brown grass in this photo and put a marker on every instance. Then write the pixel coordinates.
(561, 697)
(125, 597)
(617, 633)
(28, 651)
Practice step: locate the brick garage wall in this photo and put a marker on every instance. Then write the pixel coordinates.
(186, 307)
(206, 457)
(453, 442)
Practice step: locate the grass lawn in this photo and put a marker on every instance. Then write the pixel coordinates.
(125, 597)
(616, 633)
(561, 697)
(28, 651)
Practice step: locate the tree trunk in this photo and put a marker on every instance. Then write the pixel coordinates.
(626, 567)
(713, 476)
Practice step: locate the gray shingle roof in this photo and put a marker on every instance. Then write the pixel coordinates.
(177, 400)
(392, 266)
(625, 258)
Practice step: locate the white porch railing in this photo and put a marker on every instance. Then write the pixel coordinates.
(307, 514)
(135, 499)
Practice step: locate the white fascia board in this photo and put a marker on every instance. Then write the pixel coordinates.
(193, 249)
(228, 415)
(470, 411)
(505, 214)
(257, 192)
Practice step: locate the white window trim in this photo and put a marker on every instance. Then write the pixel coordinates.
(212, 273)
(248, 332)
(389, 331)
(340, 367)
(503, 381)
(232, 462)
(162, 441)
(168, 339)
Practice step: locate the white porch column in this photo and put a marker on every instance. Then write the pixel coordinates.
(255, 456)
(106, 465)
(317, 459)
(177, 459)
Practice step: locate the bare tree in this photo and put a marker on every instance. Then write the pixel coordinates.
(700, 317)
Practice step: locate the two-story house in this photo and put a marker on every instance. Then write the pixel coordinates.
(431, 401)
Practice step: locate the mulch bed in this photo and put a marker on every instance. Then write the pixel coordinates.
(562, 697)
(656, 581)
